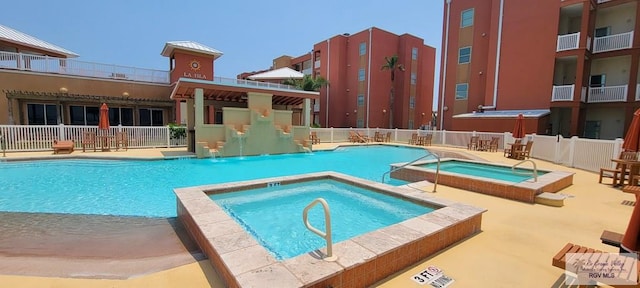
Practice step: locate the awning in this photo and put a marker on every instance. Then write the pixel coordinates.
(535, 113)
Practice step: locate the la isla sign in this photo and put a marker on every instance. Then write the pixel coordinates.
(194, 75)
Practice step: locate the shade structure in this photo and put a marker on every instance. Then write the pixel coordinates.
(632, 137)
(630, 239)
(103, 123)
(518, 128)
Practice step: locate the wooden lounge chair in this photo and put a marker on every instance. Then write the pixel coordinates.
(426, 140)
(89, 140)
(356, 137)
(66, 146)
(524, 153)
(473, 143)
(122, 140)
(388, 137)
(493, 145)
(507, 151)
(414, 139)
(378, 137)
(314, 138)
(592, 255)
(617, 172)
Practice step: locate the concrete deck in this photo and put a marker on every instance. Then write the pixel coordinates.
(514, 249)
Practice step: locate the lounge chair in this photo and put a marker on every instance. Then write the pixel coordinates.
(89, 140)
(586, 254)
(362, 138)
(388, 137)
(414, 139)
(378, 137)
(617, 172)
(523, 153)
(66, 146)
(122, 140)
(356, 137)
(507, 151)
(314, 138)
(473, 143)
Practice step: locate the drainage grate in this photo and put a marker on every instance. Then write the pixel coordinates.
(628, 203)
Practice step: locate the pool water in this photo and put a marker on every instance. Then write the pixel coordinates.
(484, 170)
(273, 215)
(145, 188)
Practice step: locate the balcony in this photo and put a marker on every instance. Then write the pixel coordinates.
(316, 64)
(568, 42)
(562, 93)
(46, 64)
(608, 94)
(613, 42)
(316, 107)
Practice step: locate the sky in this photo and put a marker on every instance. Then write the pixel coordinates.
(250, 33)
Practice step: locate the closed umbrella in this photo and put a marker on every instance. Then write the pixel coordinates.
(103, 124)
(518, 129)
(632, 138)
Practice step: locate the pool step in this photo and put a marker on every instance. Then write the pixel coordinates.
(550, 199)
(424, 186)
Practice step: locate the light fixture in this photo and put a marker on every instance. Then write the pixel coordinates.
(63, 90)
(347, 114)
(125, 94)
(445, 108)
(422, 113)
(355, 111)
(384, 110)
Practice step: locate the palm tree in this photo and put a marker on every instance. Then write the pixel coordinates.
(307, 83)
(391, 64)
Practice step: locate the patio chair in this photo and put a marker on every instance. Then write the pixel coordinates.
(122, 140)
(378, 137)
(507, 151)
(89, 140)
(615, 173)
(473, 143)
(63, 146)
(414, 139)
(314, 138)
(426, 140)
(362, 138)
(524, 153)
(388, 137)
(493, 145)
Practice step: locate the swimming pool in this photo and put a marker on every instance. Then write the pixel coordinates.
(273, 214)
(484, 170)
(144, 188)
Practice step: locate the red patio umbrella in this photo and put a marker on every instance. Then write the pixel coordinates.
(518, 129)
(630, 241)
(103, 123)
(632, 138)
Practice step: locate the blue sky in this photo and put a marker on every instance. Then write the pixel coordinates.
(250, 33)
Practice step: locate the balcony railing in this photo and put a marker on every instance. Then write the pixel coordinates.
(568, 42)
(603, 1)
(316, 64)
(608, 94)
(613, 42)
(46, 64)
(563, 93)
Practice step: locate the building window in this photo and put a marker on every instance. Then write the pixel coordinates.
(84, 115)
(361, 74)
(412, 102)
(462, 91)
(360, 123)
(464, 55)
(42, 114)
(363, 48)
(360, 100)
(414, 53)
(120, 116)
(410, 124)
(151, 117)
(413, 78)
(602, 31)
(467, 18)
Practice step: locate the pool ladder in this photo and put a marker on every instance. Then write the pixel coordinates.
(435, 184)
(535, 169)
(327, 219)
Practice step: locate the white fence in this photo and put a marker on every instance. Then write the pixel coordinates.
(613, 42)
(40, 137)
(587, 154)
(568, 42)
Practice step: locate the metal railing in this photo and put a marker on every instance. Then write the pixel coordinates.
(327, 219)
(563, 93)
(568, 42)
(613, 42)
(393, 169)
(535, 169)
(46, 64)
(251, 83)
(608, 94)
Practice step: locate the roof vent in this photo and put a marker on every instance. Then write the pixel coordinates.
(346, 34)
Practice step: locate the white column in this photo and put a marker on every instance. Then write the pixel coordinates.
(199, 109)
(306, 111)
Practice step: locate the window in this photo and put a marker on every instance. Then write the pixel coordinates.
(462, 90)
(363, 48)
(84, 115)
(414, 53)
(464, 55)
(413, 78)
(597, 80)
(360, 123)
(360, 100)
(361, 74)
(410, 124)
(120, 116)
(412, 102)
(466, 19)
(151, 117)
(42, 114)
(602, 31)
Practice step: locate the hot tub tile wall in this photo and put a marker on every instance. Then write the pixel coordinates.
(362, 261)
(523, 191)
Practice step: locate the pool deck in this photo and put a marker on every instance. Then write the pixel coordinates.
(514, 249)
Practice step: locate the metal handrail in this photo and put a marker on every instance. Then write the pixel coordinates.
(327, 219)
(535, 169)
(435, 184)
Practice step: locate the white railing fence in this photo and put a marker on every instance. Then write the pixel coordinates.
(587, 154)
(568, 42)
(608, 94)
(16, 138)
(563, 93)
(613, 42)
(46, 64)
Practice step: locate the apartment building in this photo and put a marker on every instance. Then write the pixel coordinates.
(359, 90)
(571, 67)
